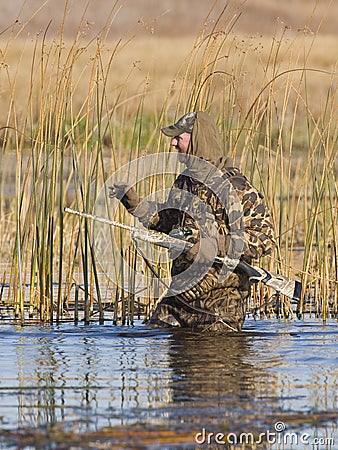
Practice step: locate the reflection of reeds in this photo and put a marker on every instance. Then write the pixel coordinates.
(67, 141)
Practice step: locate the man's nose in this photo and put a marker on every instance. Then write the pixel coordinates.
(174, 142)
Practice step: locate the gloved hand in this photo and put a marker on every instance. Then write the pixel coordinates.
(204, 251)
(126, 194)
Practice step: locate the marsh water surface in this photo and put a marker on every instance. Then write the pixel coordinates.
(133, 387)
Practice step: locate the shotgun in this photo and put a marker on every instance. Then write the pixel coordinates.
(283, 285)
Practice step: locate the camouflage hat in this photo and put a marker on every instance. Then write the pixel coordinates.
(184, 125)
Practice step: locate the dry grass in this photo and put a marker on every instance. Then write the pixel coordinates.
(154, 64)
(160, 18)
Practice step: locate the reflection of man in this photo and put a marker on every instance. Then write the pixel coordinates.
(220, 213)
(215, 386)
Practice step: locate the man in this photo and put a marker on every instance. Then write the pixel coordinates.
(214, 206)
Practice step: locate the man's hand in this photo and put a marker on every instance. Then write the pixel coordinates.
(117, 190)
(126, 194)
(204, 251)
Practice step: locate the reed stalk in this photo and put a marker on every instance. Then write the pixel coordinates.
(80, 125)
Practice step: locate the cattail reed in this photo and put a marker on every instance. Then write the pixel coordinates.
(75, 122)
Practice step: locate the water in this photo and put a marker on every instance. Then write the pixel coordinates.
(131, 387)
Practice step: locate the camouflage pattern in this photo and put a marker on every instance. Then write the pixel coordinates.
(212, 303)
(217, 309)
(184, 125)
(227, 300)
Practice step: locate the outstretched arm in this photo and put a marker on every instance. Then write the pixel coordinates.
(153, 215)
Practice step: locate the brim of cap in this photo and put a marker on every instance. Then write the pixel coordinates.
(172, 131)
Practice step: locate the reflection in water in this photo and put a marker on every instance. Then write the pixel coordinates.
(86, 378)
(212, 377)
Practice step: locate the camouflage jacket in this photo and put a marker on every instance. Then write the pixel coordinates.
(211, 196)
(258, 231)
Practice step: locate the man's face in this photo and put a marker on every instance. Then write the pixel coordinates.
(181, 142)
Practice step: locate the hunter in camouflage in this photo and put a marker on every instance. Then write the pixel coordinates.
(214, 206)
